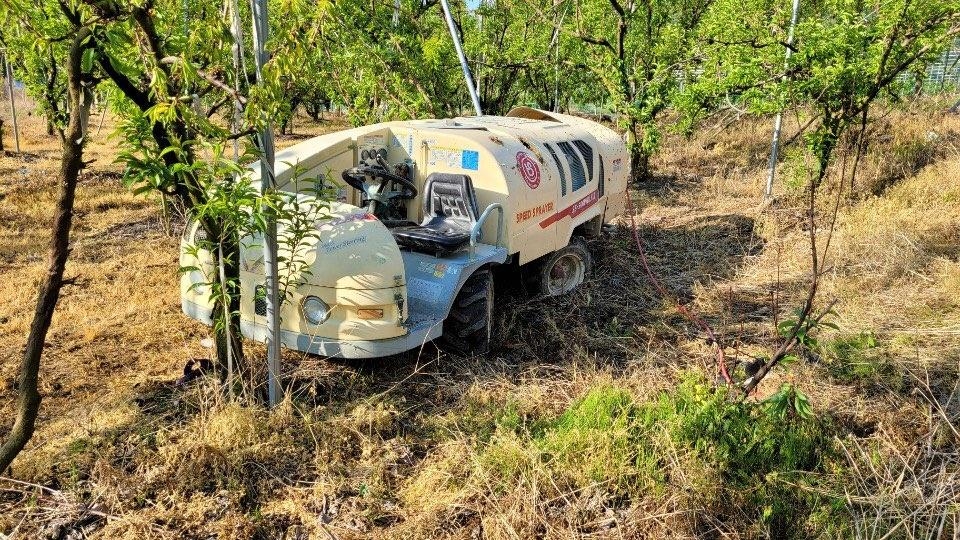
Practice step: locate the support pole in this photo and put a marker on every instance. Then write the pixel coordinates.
(13, 105)
(226, 317)
(778, 122)
(463, 58)
(555, 41)
(239, 70)
(261, 31)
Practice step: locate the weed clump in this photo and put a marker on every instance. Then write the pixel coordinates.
(739, 463)
(759, 453)
(858, 358)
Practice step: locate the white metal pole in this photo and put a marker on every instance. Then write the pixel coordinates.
(555, 40)
(236, 30)
(13, 105)
(261, 31)
(778, 122)
(463, 57)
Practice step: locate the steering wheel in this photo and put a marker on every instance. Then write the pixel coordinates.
(356, 177)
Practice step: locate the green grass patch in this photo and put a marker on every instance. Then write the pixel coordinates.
(732, 457)
(858, 358)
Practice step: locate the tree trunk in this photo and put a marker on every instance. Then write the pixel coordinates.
(231, 270)
(70, 165)
(187, 189)
(1, 134)
(639, 158)
(640, 161)
(918, 78)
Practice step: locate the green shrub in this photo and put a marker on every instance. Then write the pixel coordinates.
(739, 458)
(761, 450)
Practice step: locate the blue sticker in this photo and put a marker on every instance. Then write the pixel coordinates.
(470, 160)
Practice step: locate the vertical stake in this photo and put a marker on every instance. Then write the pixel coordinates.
(239, 68)
(261, 31)
(555, 40)
(13, 105)
(463, 58)
(778, 122)
(226, 316)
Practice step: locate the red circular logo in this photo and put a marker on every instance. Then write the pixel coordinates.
(529, 169)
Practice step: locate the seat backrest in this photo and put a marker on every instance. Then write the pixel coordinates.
(450, 197)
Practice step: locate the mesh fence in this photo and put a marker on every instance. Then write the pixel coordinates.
(947, 69)
(942, 75)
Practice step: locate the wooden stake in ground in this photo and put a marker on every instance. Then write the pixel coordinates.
(72, 161)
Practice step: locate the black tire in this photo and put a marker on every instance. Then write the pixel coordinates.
(469, 326)
(575, 263)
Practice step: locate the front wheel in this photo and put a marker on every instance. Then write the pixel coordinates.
(565, 269)
(469, 327)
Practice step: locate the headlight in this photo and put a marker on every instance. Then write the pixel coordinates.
(315, 311)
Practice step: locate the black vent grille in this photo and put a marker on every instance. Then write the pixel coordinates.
(602, 179)
(587, 153)
(563, 174)
(579, 179)
(260, 300)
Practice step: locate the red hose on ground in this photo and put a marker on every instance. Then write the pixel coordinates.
(689, 315)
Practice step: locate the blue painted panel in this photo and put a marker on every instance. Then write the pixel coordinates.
(433, 282)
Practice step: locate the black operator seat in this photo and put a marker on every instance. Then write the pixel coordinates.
(449, 214)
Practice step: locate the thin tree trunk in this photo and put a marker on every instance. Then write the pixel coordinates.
(188, 191)
(639, 158)
(231, 266)
(72, 161)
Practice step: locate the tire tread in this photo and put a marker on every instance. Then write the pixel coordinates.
(467, 328)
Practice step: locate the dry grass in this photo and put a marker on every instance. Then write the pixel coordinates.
(430, 445)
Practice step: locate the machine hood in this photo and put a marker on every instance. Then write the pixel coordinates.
(346, 248)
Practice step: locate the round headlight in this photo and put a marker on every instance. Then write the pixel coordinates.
(315, 311)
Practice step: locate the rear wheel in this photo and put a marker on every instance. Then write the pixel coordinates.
(469, 327)
(565, 269)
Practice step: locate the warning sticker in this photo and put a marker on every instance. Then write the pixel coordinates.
(440, 155)
(438, 270)
(378, 139)
(454, 157)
